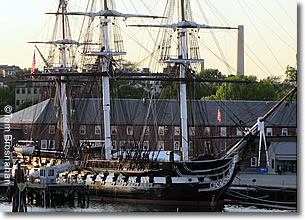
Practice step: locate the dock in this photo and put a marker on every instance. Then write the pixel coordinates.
(263, 190)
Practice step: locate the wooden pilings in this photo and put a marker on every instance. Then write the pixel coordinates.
(19, 191)
(55, 195)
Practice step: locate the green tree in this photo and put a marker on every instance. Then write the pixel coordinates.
(26, 103)
(262, 90)
(7, 96)
(290, 81)
(196, 90)
(126, 91)
(206, 89)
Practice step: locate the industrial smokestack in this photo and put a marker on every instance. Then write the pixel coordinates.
(240, 51)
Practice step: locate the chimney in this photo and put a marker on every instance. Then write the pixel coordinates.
(240, 50)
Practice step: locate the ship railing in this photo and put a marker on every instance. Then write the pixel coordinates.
(206, 170)
(222, 173)
(230, 165)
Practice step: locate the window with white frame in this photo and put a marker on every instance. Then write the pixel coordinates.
(113, 130)
(52, 144)
(128, 145)
(135, 145)
(223, 131)
(207, 147)
(82, 129)
(25, 129)
(176, 145)
(146, 131)
(239, 132)
(207, 131)
(253, 161)
(191, 148)
(114, 145)
(192, 131)
(44, 144)
(223, 146)
(51, 129)
(160, 145)
(161, 130)
(98, 130)
(82, 142)
(129, 130)
(284, 131)
(176, 131)
(146, 145)
(122, 145)
(269, 132)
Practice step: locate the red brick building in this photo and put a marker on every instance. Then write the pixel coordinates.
(213, 125)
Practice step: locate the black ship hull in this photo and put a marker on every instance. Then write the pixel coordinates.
(195, 185)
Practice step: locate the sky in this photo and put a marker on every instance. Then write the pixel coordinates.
(270, 32)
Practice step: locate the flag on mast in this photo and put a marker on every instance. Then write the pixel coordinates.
(219, 115)
(33, 65)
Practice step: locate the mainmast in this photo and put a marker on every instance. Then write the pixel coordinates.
(64, 106)
(184, 61)
(183, 101)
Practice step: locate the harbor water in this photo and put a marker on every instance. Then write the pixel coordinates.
(119, 208)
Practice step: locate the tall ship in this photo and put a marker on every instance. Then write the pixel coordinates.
(134, 172)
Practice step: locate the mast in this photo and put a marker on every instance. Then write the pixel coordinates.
(107, 55)
(64, 106)
(183, 102)
(184, 62)
(106, 93)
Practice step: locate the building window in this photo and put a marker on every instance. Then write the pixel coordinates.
(161, 130)
(191, 149)
(129, 130)
(207, 131)
(51, 129)
(44, 144)
(223, 146)
(269, 132)
(160, 145)
(97, 130)
(253, 162)
(146, 145)
(51, 172)
(25, 129)
(114, 130)
(82, 129)
(17, 91)
(35, 91)
(177, 131)
(29, 90)
(223, 131)
(113, 145)
(192, 131)
(17, 102)
(52, 144)
(176, 145)
(128, 145)
(146, 132)
(239, 132)
(207, 147)
(122, 145)
(284, 132)
(23, 90)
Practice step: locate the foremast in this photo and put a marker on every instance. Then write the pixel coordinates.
(107, 56)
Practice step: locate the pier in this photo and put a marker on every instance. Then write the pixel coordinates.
(264, 190)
